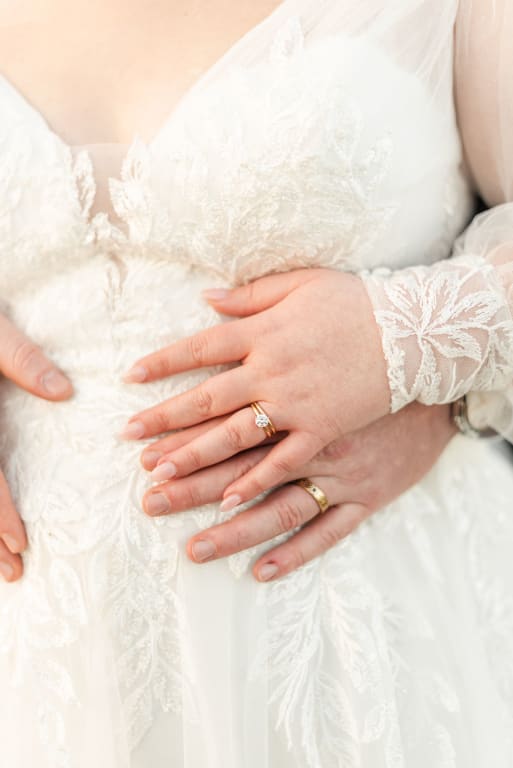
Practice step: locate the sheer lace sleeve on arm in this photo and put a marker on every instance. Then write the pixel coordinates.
(447, 329)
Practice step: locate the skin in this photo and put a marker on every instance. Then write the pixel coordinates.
(22, 361)
(358, 473)
(311, 378)
(141, 58)
(121, 92)
(331, 416)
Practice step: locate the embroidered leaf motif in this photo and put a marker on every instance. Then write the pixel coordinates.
(84, 179)
(446, 330)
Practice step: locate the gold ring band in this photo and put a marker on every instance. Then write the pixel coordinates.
(315, 492)
(262, 420)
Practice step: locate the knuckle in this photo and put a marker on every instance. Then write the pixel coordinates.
(198, 348)
(288, 515)
(203, 401)
(242, 538)
(329, 536)
(234, 438)
(193, 460)
(25, 356)
(160, 421)
(188, 496)
(282, 466)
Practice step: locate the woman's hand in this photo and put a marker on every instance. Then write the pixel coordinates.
(311, 355)
(359, 473)
(22, 361)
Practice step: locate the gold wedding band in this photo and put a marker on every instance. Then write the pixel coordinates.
(262, 420)
(315, 492)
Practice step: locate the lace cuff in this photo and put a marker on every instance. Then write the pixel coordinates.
(446, 329)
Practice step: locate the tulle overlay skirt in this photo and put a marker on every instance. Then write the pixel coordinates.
(395, 648)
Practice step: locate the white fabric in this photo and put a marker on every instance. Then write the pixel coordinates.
(326, 136)
(447, 330)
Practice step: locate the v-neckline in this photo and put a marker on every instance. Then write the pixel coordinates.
(185, 96)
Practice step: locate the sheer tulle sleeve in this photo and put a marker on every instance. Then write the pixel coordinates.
(447, 329)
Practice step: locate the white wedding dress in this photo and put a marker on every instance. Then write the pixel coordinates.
(392, 650)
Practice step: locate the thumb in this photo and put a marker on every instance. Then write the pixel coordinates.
(24, 362)
(258, 295)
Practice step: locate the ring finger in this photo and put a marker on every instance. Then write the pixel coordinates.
(319, 534)
(235, 434)
(282, 511)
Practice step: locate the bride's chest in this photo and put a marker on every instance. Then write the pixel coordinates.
(326, 154)
(120, 70)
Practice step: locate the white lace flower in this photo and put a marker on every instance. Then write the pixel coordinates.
(445, 329)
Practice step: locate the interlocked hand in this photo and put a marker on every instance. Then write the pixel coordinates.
(359, 474)
(310, 354)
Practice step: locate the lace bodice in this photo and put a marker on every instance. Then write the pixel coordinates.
(358, 185)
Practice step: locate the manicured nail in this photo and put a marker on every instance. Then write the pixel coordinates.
(150, 458)
(133, 430)
(14, 546)
(215, 294)
(55, 382)
(7, 571)
(164, 471)
(157, 504)
(267, 571)
(230, 502)
(202, 549)
(136, 373)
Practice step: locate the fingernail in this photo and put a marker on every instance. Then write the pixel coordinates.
(7, 571)
(230, 502)
(55, 382)
(157, 504)
(202, 549)
(12, 544)
(133, 430)
(136, 373)
(267, 571)
(150, 458)
(164, 471)
(215, 294)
